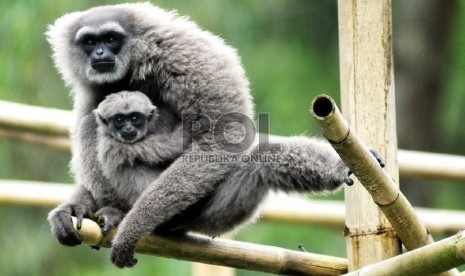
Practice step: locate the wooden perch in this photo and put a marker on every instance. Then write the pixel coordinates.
(429, 260)
(224, 252)
(378, 183)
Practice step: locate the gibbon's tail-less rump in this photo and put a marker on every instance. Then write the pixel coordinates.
(189, 75)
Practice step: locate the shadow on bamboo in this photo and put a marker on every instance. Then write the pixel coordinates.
(224, 252)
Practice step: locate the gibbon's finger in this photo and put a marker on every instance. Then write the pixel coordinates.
(378, 157)
(79, 216)
(349, 181)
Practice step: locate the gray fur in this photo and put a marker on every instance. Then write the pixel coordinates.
(183, 70)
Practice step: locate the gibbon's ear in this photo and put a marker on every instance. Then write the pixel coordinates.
(103, 119)
(99, 118)
(153, 113)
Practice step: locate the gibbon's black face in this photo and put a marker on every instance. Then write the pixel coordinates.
(102, 49)
(128, 128)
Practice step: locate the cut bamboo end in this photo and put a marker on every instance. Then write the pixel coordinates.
(324, 110)
(376, 181)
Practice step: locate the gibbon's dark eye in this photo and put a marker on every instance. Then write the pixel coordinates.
(136, 118)
(111, 40)
(89, 42)
(118, 120)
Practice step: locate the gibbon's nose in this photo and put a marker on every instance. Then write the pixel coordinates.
(99, 51)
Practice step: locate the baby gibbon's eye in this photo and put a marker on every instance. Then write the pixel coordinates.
(137, 118)
(118, 120)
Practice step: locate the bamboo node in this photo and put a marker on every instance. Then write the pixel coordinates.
(389, 203)
(459, 245)
(390, 231)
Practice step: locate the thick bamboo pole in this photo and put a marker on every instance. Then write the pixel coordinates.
(429, 260)
(381, 187)
(225, 252)
(367, 93)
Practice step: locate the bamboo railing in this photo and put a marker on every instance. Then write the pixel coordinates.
(50, 127)
(278, 207)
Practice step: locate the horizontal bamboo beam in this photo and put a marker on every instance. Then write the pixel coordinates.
(427, 166)
(278, 207)
(61, 143)
(432, 259)
(49, 127)
(377, 182)
(225, 253)
(34, 119)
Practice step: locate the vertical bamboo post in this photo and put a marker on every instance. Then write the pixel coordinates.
(367, 95)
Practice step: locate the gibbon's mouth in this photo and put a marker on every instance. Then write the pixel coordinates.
(103, 66)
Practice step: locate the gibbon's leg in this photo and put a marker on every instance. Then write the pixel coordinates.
(183, 184)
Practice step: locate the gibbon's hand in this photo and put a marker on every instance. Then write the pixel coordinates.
(62, 225)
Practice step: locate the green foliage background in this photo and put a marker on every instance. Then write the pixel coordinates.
(289, 50)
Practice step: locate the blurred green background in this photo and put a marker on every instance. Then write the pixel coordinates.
(290, 52)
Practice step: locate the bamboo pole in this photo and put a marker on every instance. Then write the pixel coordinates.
(384, 191)
(367, 94)
(34, 118)
(224, 252)
(412, 164)
(278, 207)
(61, 143)
(429, 260)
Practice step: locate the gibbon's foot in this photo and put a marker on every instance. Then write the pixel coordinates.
(122, 255)
(108, 218)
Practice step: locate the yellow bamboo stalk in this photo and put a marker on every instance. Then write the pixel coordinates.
(367, 95)
(224, 252)
(61, 143)
(384, 192)
(378, 183)
(429, 260)
(415, 164)
(34, 118)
